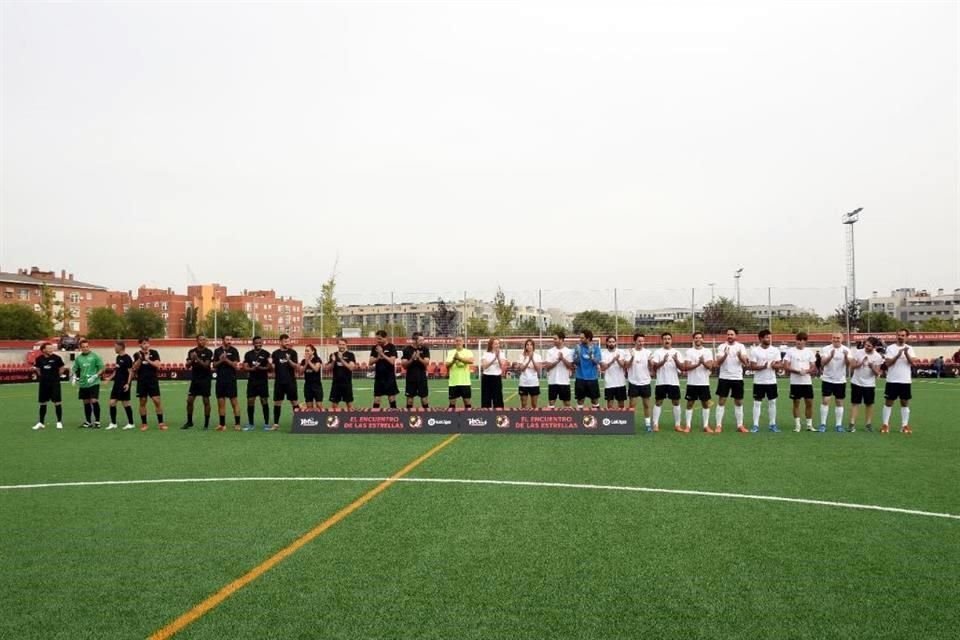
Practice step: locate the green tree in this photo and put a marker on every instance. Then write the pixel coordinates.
(104, 322)
(190, 321)
(599, 322)
(877, 322)
(504, 312)
(144, 323)
(937, 324)
(231, 322)
(327, 308)
(527, 327)
(853, 309)
(724, 312)
(47, 304)
(478, 327)
(444, 318)
(20, 322)
(553, 329)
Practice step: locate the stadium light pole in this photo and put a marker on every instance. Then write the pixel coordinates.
(850, 219)
(736, 282)
(712, 285)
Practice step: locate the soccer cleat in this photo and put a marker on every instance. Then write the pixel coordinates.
(111, 427)
(187, 425)
(85, 425)
(685, 429)
(774, 428)
(144, 427)
(755, 429)
(868, 427)
(96, 425)
(162, 426)
(59, 425)
(796, 429)
(906, 430)
(221, 428)
(237, 427)
(649, 429)
(678, 428)
(718, 429)
(822, 428)
(839, 428)
(249, 427)
(275, 427)
(129, 426)
(853, 428)
(741, 429)
(656, 428)
(885, 428)
(810, 427)
(707, 429)
(37, 426)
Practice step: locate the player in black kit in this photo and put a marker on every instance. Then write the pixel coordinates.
(416, 357)
(285, 383)
(226, 361)
(201, 374)
(122, 379)
(258, 366)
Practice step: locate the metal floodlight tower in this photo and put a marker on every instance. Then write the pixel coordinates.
(851, 219)
(736, 282)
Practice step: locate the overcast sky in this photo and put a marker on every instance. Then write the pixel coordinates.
(443, 147)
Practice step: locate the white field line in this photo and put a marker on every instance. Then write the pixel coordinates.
(508, 483)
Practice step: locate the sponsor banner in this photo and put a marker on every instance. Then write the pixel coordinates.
(602, 422)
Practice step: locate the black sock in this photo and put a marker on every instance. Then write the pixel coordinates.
(43, 413)
(86, 412)
(453, 405)
(236, 419)
(113, 414)
(266, 413)
(249, 414)
(393, 404)
(160, 418)
(96, 411)
(129, 411)
(466, 405)
(410, 404)
(189, 413)
(59, 409)
(276, 414)
(206, 419)
(376, 405)
(424, 405)
(223, 419)
(143, 418)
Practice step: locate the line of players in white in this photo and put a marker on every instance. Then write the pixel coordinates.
(629, 373)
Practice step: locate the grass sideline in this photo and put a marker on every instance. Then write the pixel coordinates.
(477, 561)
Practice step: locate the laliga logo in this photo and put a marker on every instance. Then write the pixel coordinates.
(309, 422)
(332, 422)
(415, 422)
(173, 374)
(589, 422)
(431, 422)
(606, 422)
(503, 422)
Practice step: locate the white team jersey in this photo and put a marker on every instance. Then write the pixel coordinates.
(732, 368)
(668, 373)
(614, 376)
(639, 373)
(802, 360)
(700, 376)
(899, 371)
(763, 357)
(835, 371)
(559, 374)
(864, 376)
(490, 364)
(528, 374)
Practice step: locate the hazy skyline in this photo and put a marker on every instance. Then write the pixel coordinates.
(458, 146)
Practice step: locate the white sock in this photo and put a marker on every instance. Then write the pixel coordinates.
(839, 412)
(809, 422)
(646, 422)
(886, 414)
(656, 414)
(772, 411)
(824, 410)
(904, 416)
(796, 422)
(720, 410)
(706, 417)
(756, 413)
(738, 412)
(676, 416)
(689, 417)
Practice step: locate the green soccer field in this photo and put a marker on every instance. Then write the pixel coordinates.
(564, 539)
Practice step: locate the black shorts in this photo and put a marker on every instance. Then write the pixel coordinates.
(258, 388)
(49, 392)
(615, 393)
(862, 395)
(459, 391)
(417, 387)
(726, 388)
(528, 391)
(386, 387)
(836, 389)
(226, 387)
(559, 392)
(768, 391)
(586, 389)
(89, 393)
(699, 392)
(313, 392)
(341, 392)
(897, 391)
(801, 392)
(285, 391)
(117, 393)
(670, 391)
(148, 388)
(638, 390)
(200, 387)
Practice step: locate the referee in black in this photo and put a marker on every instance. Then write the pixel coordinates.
(201, 373)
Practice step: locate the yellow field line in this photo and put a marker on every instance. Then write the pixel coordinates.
(229, 589)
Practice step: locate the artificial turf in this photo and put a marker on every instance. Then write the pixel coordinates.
(476, 561)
